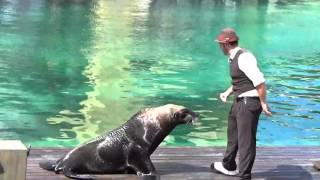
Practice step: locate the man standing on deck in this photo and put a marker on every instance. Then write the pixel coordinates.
(248, 86)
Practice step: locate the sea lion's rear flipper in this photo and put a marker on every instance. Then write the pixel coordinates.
(48, 164)
(79, 176)
(316, 165)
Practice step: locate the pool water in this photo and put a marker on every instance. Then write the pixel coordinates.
(71, 70)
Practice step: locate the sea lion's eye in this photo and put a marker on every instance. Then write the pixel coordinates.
(176, 115)
(181, 114)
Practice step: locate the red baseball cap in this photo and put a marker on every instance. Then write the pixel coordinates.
(227, 35)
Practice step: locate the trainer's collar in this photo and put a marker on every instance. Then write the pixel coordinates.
(233, 52)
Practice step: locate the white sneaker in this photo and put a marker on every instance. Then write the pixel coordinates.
(219, 167)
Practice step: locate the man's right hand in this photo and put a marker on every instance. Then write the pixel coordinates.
(223, 97)
(266, 109)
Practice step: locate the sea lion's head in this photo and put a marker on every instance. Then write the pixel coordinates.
(174, 114)
(182, 115)
(168, 116)
(158, 122)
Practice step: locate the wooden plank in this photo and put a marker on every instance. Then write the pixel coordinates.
(193, 163)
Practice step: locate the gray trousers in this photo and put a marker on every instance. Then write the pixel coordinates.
(242, 130)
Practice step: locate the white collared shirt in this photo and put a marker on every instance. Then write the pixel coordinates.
(248, 64)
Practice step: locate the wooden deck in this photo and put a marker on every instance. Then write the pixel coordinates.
(272, 163)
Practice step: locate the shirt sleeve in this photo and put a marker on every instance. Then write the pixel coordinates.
(248, 64)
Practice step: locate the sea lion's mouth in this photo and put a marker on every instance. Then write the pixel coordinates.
(193, 118)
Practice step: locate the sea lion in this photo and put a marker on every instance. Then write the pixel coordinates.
(126, 149)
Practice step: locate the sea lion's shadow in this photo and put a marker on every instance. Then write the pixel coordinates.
(164, 168)
(161, 167)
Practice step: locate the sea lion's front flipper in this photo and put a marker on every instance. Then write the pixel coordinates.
(140, 161)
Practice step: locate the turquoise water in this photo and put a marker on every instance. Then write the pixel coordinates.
(71, 70)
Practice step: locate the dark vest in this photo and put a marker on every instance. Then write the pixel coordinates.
(241, 83)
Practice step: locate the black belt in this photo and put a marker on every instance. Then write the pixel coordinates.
(246, 98)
